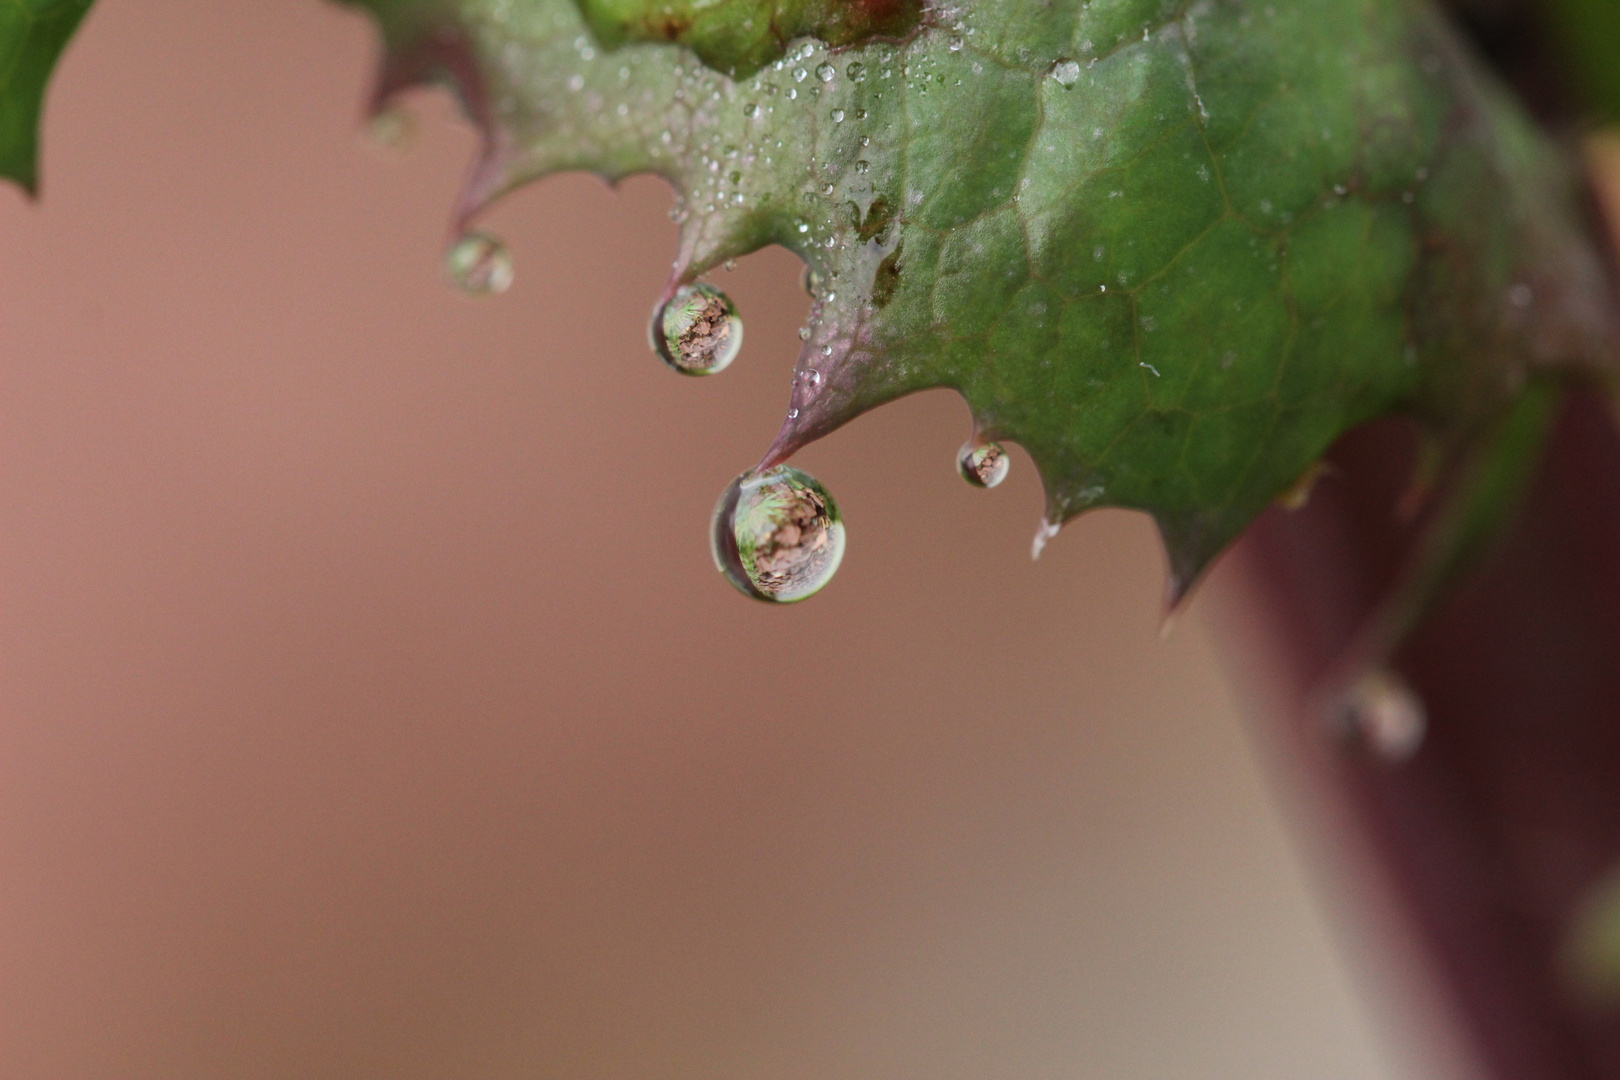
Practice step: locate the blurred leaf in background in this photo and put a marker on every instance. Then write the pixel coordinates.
(1588, 33)
(33, 34)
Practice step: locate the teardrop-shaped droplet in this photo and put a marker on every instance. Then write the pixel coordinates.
(983, 464)
(698, 332)
(479, 265)
(777, 534)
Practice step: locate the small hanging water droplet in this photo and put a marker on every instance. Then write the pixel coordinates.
(698, 331)
(1043, 535)
(1382, 715)
(825, 71)
(983, 464)
(392, 129)
(804, 333)
(1066, 73)
(777, 534)
(479, 265)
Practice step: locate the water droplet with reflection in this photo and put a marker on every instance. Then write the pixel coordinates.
(698, 331)
(777, 534)
(479, 265)
(983, 464)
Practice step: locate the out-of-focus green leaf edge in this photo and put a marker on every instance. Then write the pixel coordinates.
(1588, 33)
(33, 34)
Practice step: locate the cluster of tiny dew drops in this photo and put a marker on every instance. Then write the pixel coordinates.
(777, 534)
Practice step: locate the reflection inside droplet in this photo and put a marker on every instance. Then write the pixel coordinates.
(777, 534)
(983, 464)
(698, 331)
(479, 265)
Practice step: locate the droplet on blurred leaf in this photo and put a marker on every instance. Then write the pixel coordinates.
(1384, 716)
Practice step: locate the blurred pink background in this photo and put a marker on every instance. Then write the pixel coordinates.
(370, 708)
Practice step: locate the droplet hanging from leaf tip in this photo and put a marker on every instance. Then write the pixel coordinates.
(697, 331)
(479, 265)
(1043, 535)
(983, 464)
(391, 129)
(777, 534)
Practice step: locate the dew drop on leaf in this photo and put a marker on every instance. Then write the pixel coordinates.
(777, 535)
(1066, 73)
(983, 464)
(825, 71)
(479, 265)
(698, 331)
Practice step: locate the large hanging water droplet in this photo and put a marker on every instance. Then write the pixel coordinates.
(479, 265)
(777, 534)
(698, 331)
(983, 464)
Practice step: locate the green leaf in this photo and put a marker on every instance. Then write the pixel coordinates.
(33, 34)
(1589, 31)
(1174, 248)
